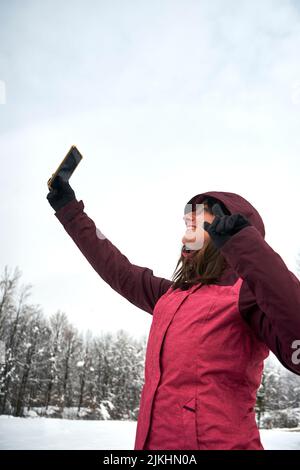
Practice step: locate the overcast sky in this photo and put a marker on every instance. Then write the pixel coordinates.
(164, 99)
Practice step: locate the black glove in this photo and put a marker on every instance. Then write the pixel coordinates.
(224, 226)
(61, 194)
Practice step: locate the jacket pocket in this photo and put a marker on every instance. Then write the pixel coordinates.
(188, 411)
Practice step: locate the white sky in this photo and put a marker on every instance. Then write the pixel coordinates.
(164, 99)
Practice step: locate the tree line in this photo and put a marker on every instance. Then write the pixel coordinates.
(47, 363)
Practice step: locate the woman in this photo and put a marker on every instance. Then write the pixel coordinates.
(230, 302)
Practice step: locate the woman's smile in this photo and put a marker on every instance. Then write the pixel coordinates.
(195, 235)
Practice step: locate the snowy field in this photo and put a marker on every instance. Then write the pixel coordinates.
(50, 433)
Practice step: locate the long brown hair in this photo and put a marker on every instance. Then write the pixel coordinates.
(202, 266)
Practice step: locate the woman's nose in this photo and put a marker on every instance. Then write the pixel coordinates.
(189, 218)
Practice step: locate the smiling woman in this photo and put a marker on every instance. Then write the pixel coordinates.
(231, 302)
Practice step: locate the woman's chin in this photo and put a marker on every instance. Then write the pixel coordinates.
(188, 239)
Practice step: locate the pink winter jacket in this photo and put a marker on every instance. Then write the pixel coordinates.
(207, 344)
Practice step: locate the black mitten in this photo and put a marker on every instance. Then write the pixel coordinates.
(61, 194)
(224, 226)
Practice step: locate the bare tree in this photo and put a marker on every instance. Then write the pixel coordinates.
(8, 286)
(33, 330)
(58, 323)
(70, 346)
(12, 341)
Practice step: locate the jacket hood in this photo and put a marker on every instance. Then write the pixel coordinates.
(235, 204)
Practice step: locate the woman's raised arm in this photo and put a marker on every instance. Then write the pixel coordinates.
(136, 283)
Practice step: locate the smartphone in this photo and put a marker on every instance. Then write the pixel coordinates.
(67, 166)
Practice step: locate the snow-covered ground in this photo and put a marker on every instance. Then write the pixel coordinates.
(50, 433)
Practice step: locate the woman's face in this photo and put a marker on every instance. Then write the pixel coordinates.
(195, 236)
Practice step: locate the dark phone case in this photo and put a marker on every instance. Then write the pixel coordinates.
(67, 166)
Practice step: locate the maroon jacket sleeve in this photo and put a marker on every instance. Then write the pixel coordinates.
(137, 284)
(270, 294)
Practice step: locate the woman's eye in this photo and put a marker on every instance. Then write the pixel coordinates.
(200, 211)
